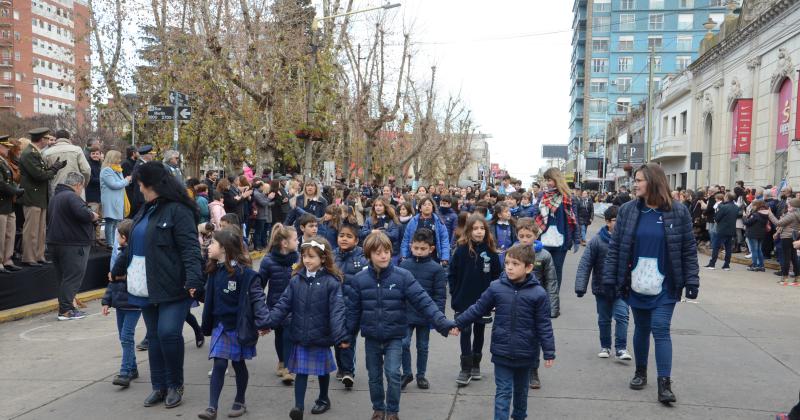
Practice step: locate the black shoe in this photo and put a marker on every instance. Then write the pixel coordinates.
(154, 398)
(321, 406)
(134, 374)
(199, 340)
(475, 371)
(174, 398)
(123, 381)
(423, 383)
(347, 380)
(45, 262)
(142, 346)
(31, 264)
(778, 273)
(12, 267)
(535, 382)
(3, 270)
(465, 376)
(296, 414)
(639, 378)
(407, 379)
(665, 395)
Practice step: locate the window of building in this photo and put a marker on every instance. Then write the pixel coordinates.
(625, 43)
(624, 64)
(718, 18)
(684, 115)
(656, 63)
(685, 4)
(655, 42)
(656, 84)
(664, 124)
(6, 55)
(602, 5)
(656, 22)
(602, 23)
(600, 45)
(597, 129)
(599, 65)
(627, 4)
(16, 15)
(597, 105)
(685, 22)
(7, 75)
(682, 62)
(623, 105)
(17, 36)
(624, 84)
(19, 77)
(598, 86)
(674, 126)
(627, 22)
(716, 3)
(8, 96)
(656, 4)
(17, 56)
(4, 12)
(684, 43)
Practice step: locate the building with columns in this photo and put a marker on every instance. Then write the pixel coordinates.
(745, 90)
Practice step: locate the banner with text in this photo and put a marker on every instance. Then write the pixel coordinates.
(742, 126)
(784, 115)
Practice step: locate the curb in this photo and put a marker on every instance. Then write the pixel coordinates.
(46, 306)
(741, 260)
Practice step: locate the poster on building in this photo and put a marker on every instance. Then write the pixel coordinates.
(797, 117)
(742, 126)
(784, 115)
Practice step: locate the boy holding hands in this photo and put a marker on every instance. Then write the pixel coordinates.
(522, 324)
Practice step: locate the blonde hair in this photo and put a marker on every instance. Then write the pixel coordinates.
(113, 157)
(558, 178)
(376, 241)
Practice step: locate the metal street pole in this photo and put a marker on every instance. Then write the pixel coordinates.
(133, 127)
(175, 120)
(649, 106)
(605, 139)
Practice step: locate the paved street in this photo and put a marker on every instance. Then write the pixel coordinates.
(735, 357)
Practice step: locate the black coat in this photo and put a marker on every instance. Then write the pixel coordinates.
(466, 275)
(433, 278)
(584, 209)
(69, 219)
(756, 224)
(116, 295)
(93, 189)
(276, 271)
(726, 216)
(175, 263)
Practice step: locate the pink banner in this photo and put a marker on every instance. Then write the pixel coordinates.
(742, 126)
(784, 115)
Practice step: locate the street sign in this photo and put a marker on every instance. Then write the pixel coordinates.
(166, 112)
(178, 97)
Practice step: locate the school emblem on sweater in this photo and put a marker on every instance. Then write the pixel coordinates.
(646, 279)
(231, 286)
(486, 260)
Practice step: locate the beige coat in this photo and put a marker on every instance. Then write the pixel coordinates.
(788, 224)
(73, 155)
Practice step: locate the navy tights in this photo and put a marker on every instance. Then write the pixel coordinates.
(218, 380)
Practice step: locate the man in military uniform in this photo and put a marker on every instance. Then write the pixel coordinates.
(35, 178)
(9, 191)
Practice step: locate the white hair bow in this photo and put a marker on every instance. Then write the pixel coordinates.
(314, 244)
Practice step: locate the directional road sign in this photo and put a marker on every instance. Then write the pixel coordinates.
(178, 97)
(165, 113)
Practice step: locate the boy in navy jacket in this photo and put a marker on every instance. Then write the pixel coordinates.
(433, 278)
(522, 323)
(378, 305)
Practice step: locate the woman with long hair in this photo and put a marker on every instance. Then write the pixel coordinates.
(651, 260)
(557, 221)
(164, 269)
(112, 193)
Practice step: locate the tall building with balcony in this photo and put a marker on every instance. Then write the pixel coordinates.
(44, 57)
(612, 45)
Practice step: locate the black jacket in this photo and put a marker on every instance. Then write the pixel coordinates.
(756, 224)
(621, 199)
(116, 295)
(726, 216)
(584, 207)
(592, 262)
(252, 311)
(317, 308)
(433, 278)
(467, 277)
(69, 219)
(173, 262)
(276, 271)
(93, 189)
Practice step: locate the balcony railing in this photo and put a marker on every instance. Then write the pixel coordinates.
(670, 147)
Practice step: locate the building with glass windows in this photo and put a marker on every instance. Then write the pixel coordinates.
(612, 44)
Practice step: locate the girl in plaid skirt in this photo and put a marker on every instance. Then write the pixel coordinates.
(234, 305)
(314, 298)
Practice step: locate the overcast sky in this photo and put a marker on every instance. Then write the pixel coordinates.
(514, 79)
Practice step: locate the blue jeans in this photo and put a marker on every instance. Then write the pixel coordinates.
(383, 358)
(511, 380)
(716, 243)
(164, 324)
(757, 254)
(126, 325)
(618, 309)
(656, 321)
(423, 339)
(111, 230)
(583, 232)
(346, 358)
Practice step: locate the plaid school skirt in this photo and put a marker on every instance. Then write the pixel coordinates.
(316, 361)
(225, 345)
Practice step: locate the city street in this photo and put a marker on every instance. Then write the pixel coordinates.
(735, 357)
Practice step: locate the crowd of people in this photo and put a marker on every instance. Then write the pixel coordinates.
(379, 261)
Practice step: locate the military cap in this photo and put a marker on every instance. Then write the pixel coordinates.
(38, 133)
(145, 149)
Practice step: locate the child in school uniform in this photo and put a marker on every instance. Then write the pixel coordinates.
(116, 297)
(328, 227)
(433, 278)
(526, 207)
(503, 229)
(382, 217)
(475, 264)
(276, 272)
(378, 306)
(350, 260)
(448, 215)
(609, 305)
(314, 299)
(405, 211)
(522, 324)
(234, 307)
(308, 227)
(543, 269)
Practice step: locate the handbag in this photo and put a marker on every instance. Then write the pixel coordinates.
(552, 238)
(127, 205)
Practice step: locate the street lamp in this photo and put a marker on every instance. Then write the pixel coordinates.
(131, 98)
(308, 143)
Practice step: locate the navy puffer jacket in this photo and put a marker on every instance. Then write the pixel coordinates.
(350, 263)
(317, 308)
(276, 271)
(522, 319)
(433, 278)
(380, 302)
(681, 248)
(592, 262)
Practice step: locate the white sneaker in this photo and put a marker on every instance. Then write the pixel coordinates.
(604, 353)
(623, 355)
(748, 255)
